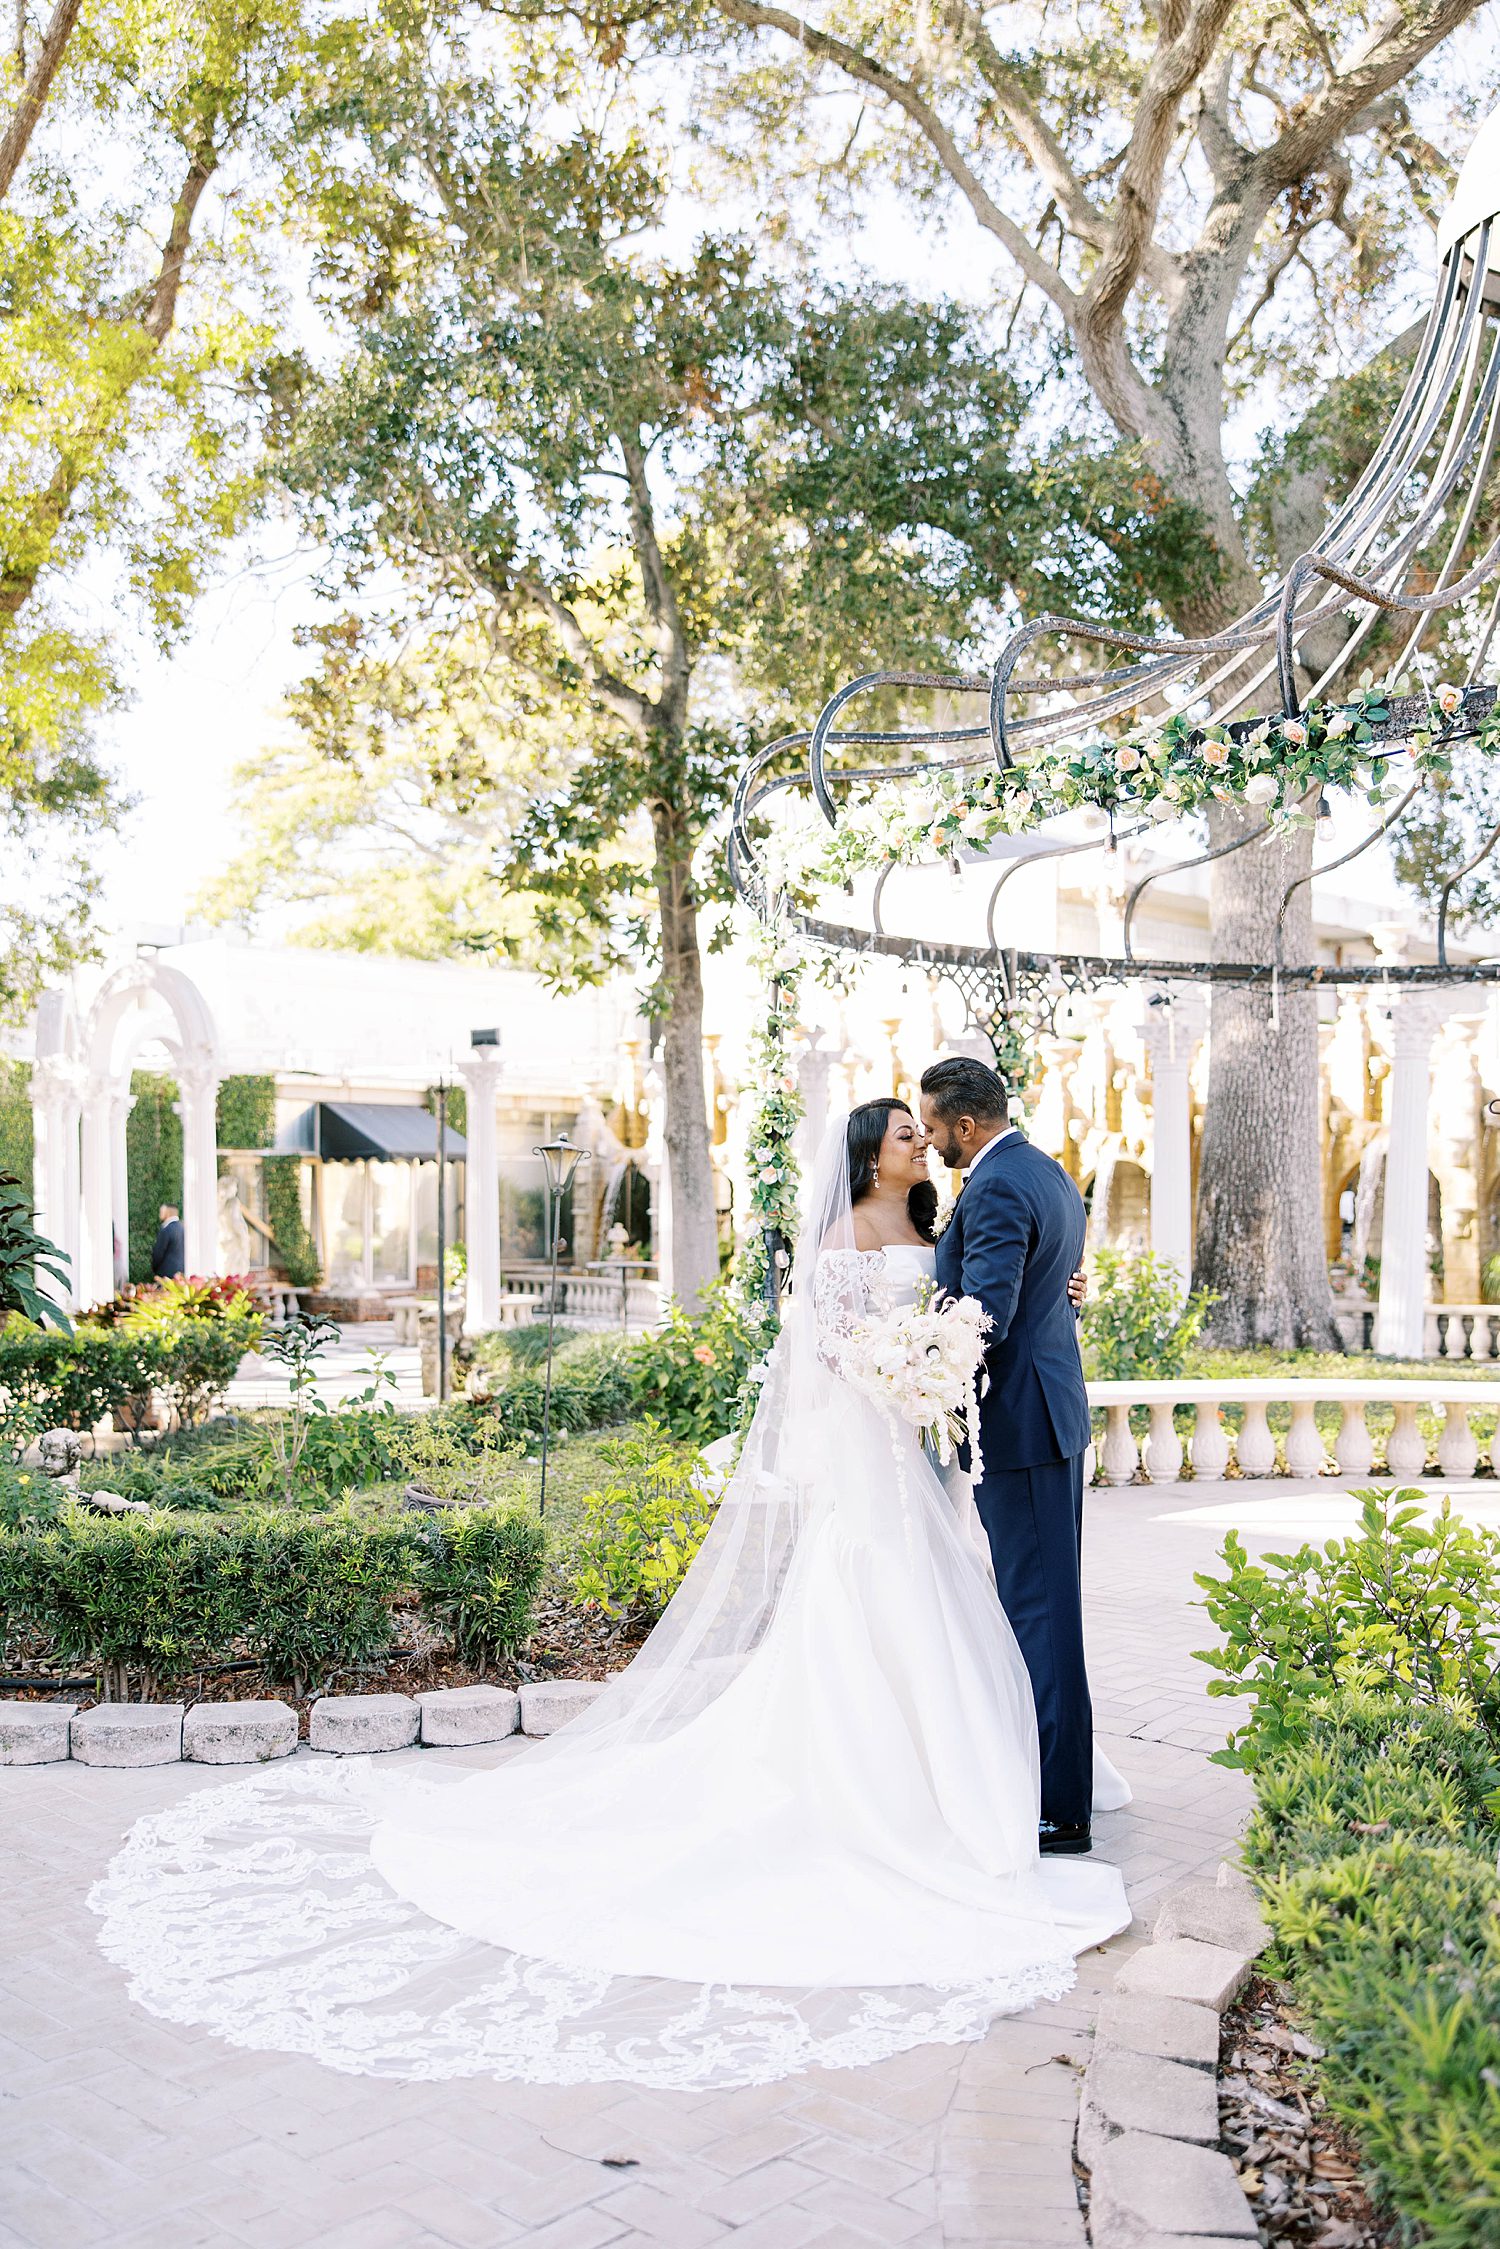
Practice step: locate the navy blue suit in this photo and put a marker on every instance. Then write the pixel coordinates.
(1014, 1240)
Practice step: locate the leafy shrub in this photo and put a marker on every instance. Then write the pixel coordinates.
(1402, 1606)
(640, 1532)
(203, 1328)
(317, 1596)
(526, 1347)
(457, 1461)
(591, 1388)
(1374, 1849)
(27, 1496)
(1135, 1322)
(26, 1257)
(143, 1597)
(692, 1376)
(480, 1575)
(73, 1381)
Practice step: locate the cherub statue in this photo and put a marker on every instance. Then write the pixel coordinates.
(59, 1454)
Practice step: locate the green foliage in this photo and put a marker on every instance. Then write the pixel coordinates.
(26, 1258)
(184, 1342)
(145, 1597)
(246, 1112)
(1134, 1319)
(593, 1385)
(17, 1152)
(458, 1461)
(692, 1376)
(153, 1162)
(196, 1334)
(1374, 1844)
(295, 1247)
(480, 1577)
(640, 1532)
(1402, 1606)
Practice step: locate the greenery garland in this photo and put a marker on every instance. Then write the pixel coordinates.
(779, 1109)
(1160, 772)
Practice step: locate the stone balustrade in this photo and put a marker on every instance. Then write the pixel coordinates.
(1449, 1331)
(591, 1299)
(1254, 1446)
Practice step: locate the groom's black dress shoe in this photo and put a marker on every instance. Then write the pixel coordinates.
(1056, 1842)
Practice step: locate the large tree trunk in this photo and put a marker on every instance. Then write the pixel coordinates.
(1260, 1211)
(695, 1248)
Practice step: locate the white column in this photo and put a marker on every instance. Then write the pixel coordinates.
(120, 1107)
(658, 1171)
(1171, 1033)
(481, 1076)
(1415, 1017)
(96, 1256)
(198, 1087)
(54, 1116)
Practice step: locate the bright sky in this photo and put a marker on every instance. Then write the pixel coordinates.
(197, 713)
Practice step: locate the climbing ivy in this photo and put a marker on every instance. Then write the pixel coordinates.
(16, 1147)
(153, 1162)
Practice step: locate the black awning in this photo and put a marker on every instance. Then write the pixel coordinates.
(389, 1131)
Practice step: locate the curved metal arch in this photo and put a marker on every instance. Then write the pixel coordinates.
(1039, 858)
(1179, 867)
(1452, 884)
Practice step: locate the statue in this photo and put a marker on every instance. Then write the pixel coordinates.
(60, 1456)
(235, 1252)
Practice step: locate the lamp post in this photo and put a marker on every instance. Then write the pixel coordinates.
(562, 1160)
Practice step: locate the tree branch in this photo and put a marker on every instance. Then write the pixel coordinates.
(755, 15)
(627, 702)
(1378, 61)
(17, 135)
(662, 605)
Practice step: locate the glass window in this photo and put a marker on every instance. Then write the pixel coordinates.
(390, 1222)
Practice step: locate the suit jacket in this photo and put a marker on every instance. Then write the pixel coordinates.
(167, 1257)
(1014, 1240)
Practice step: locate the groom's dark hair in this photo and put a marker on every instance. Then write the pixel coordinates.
(962, 1087)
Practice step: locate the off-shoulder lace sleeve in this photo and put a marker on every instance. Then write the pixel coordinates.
(841, 1299)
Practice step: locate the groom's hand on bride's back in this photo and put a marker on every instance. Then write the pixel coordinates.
(1078, 1289)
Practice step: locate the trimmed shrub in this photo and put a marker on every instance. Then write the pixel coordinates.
(639, 1534)
(317, 1597)
(480, 1576)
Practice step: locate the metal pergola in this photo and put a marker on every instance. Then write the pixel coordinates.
(1397, 553)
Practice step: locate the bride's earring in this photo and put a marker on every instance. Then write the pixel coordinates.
(874, 1175)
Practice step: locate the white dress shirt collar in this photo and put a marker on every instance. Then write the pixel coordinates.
(976, 1160)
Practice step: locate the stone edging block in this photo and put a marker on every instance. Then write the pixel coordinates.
(459, 1717)
(547, 1704)
(128, 1733)
(34, 1733)
(356, 1725)
(1148, 2123)
(239, 1733)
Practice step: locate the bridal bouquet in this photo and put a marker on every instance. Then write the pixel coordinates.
(925, 1364)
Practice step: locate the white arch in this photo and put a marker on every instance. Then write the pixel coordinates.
(81, 1097)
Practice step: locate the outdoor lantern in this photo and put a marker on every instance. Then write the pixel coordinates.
(561, 1160)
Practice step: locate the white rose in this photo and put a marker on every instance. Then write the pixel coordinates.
(1261, 789)
(1339, 725)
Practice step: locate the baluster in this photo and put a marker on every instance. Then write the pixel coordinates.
(1406, 1447)
(1304, 1446)
(1369, 1326)
(1353, 1447)
(1493, 1324)
(1442, 1335)
(1256, 1449)
(1117, 1455)
(1458, 1450)
(1467, 1324)
(1210, 1447)
(1163, 1445)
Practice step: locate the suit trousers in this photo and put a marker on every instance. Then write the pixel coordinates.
(1033, 1519)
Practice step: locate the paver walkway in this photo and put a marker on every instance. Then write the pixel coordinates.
(116, 2127)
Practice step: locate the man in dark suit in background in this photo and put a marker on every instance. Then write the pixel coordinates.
(168, 1260)
(1014, 1240)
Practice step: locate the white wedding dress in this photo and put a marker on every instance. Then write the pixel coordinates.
(801, 1830)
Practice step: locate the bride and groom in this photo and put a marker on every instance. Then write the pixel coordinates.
(838, 1804)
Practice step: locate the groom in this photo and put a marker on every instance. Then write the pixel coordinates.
(1015, 1237)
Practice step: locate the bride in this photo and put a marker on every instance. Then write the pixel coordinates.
(799, 1830)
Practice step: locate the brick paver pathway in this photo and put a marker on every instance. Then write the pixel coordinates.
(115, 2127)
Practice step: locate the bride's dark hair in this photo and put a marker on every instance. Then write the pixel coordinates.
(865, 1133)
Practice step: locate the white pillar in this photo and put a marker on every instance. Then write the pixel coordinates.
(119, 1181)
(54, 1115)
(198, 1087)
(96, 1256)
(481, 1076)
(1171, 1032)
(1399, 1321)
(658, 1171)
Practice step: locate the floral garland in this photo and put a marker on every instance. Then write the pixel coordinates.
(1160, 772)
(779, 1108)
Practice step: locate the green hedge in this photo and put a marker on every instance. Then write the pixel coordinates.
(1374, 1845)
(146, 1598)
(153, 1162)
(17, 1151)
(72, 1381)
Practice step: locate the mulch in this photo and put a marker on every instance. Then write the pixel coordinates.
(1295, 2163)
